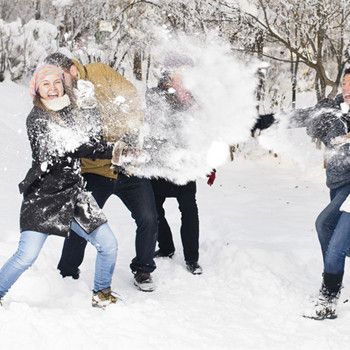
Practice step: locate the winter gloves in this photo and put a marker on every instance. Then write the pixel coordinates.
(85, 95)
(211, 177)
(119, 149)
(123, 154)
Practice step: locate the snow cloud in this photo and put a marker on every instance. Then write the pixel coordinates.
(292, 144)
(197, 140)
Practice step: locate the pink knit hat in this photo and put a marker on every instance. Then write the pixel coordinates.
(40, 74)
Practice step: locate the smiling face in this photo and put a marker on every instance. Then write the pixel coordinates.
(346, 88)
(51, 87)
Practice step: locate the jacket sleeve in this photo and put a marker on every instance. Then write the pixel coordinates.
(326, 125)
(125, 111)
(94, 149)
(40, 141)
(134, 115)
(38, 137)
(302, 117)
(44, 145)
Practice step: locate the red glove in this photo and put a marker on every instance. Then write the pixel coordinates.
(211, 177)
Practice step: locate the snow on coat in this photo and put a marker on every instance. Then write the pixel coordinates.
(326, 121)
(167, 138)
(53, 189)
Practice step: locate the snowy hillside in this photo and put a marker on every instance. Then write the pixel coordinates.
(258, 249)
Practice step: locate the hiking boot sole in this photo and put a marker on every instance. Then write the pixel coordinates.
(143, 288)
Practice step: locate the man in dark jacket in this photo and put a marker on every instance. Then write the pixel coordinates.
(329, 121)
(171, 96)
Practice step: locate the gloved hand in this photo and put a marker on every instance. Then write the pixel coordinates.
(123, 155)
(135, 156)
(211, 177)
(85, 94)
(119, 149)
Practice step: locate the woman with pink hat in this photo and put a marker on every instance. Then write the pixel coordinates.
(54, 196)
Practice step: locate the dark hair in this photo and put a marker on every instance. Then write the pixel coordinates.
(60, 60)
(164, 81)
(346, 72)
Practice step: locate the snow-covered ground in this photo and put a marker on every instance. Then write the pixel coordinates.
(258, 249)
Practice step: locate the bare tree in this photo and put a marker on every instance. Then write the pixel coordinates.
(311, 32)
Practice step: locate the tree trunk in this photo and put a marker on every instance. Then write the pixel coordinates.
(334, 90)
(137, 65)
(148, 67)
(294, 71)
(37, 15)
(320, 86)
(259, 42)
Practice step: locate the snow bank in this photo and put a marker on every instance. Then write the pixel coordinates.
(225, 109)
(258, 249)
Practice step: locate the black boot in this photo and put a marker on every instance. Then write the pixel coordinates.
(160, 254)
(326, 303)
(74, 274)
(194, 268)
(143, 281)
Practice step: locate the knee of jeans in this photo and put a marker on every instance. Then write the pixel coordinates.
(148, 218)
(321, 226)
(25, 259)
(335, 253)
(108, 246)
(334, 262)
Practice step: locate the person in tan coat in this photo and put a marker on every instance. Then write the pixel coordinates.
(122, 118)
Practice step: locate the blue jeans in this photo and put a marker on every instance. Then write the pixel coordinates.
(333, 229)
(31, 243)
(137, 195)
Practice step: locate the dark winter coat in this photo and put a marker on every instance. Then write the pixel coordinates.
(53, 189)
(326, 121)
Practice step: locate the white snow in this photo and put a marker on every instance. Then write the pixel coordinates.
(223, 111)
(62, 3)
(258, 249)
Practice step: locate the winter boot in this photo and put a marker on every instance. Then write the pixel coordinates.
(103, 297)
(194, 268)
(160, 254)
(143, 281)
(75, 275)
(326, 303)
